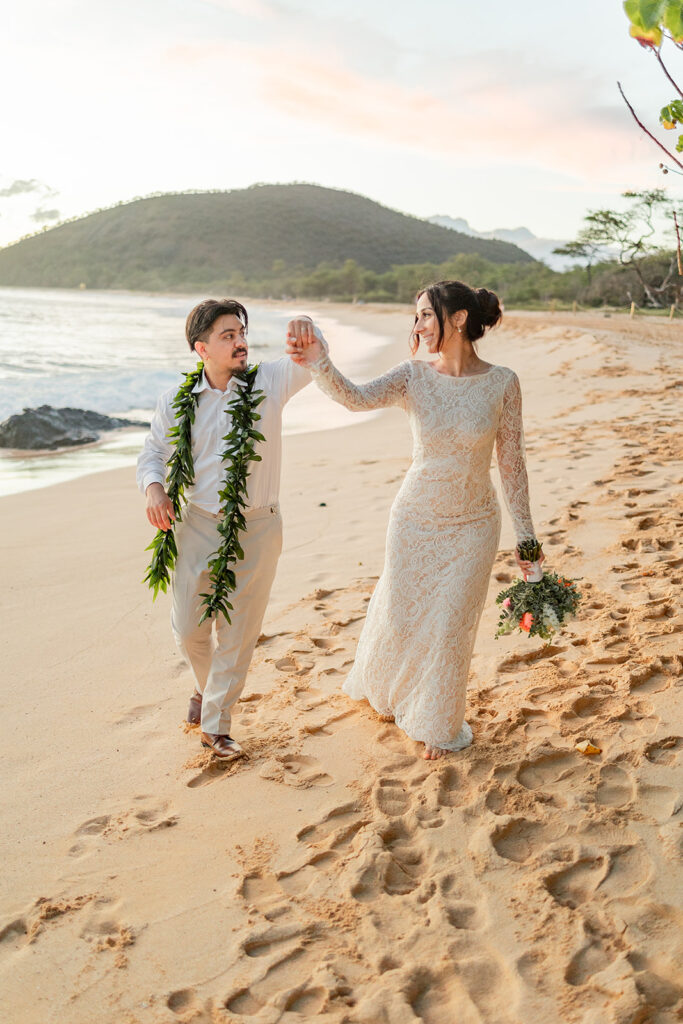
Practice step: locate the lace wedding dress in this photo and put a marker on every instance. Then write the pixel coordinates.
(414, 653)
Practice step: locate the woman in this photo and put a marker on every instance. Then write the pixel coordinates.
(414, 653)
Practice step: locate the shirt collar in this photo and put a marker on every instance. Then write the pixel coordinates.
(203, 384)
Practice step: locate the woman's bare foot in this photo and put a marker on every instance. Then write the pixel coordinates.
(432, 753)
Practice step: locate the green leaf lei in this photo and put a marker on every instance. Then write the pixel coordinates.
(239, 452)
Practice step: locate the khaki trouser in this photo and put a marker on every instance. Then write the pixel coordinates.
(218, 653)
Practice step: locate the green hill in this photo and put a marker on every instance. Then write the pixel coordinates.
(195, 240)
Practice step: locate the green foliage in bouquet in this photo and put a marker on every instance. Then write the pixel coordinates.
(538, 609)
(529, 549)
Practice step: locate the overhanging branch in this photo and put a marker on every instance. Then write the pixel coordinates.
(647, 132)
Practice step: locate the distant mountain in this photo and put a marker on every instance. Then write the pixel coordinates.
(539, 248)
(192, 240)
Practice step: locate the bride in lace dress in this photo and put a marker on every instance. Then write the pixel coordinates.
(414, 653)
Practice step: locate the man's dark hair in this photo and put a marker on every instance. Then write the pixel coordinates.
(202, 318)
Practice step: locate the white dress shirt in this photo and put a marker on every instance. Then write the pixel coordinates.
(278, 380)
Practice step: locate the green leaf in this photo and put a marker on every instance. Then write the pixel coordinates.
(673, 19)
(645, 14)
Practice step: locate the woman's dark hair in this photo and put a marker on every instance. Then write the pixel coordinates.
(202, 318)
(447, 297)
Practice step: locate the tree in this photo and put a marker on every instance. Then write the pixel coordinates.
(632, 234)
(582, 248)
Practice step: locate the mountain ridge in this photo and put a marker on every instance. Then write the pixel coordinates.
(197, 239)
(537, 248)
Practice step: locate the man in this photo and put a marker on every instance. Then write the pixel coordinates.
(219, 653)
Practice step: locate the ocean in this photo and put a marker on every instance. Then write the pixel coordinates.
(115, 353)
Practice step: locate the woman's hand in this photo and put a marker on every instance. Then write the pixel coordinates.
(525, 566)
(303, 346)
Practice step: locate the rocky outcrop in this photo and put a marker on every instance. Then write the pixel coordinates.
(49, 428)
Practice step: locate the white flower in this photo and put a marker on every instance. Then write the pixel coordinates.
(550, 618)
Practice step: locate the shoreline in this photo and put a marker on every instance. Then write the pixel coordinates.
(35, 470)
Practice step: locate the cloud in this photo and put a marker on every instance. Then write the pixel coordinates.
(551, 121)
(41, 216)
(20, 187)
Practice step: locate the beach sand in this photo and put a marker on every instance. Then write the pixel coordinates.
(334, 874)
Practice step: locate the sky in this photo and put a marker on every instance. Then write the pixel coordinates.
(505, 114)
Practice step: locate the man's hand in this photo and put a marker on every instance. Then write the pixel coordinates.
(302, 344)
(159, 507)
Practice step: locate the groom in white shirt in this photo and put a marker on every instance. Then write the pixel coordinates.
(219, 653)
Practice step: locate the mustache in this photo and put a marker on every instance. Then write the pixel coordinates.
(241, 351)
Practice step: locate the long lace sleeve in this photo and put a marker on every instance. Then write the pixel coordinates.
(510, 453)
(389, 389)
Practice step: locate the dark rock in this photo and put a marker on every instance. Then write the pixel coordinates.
(48, 428)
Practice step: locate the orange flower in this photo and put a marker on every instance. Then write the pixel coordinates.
(525, 621)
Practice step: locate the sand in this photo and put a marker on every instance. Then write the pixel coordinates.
(334, 874)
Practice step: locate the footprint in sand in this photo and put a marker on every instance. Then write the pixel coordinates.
(659, 802)
(537, 723)
(269, 943)
(520, 839)
(185, 1003)
(146, 815)
(391, 797)
(393, 866)
(577, 883)
(286, 983)
(550, 767)
(294, 666)
(470, 992)
(636, 722)
(665, 751)
(516, 662)
(630, 869)
(24, 929)
(299, 880)
(615, 787)
(465, 916)
(212, 770)
(590, 706)
(649, 678)
(594, 956)
(322, 725)
(297, 770)
(259, 887)
(399, 750)
(451, 791)
(340, 824)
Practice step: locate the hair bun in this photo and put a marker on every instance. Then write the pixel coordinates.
(489, 306)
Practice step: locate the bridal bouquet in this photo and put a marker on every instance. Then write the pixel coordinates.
(536, 608)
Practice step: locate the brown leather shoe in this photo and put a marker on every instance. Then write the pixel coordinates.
(224, 747)
(194, 712)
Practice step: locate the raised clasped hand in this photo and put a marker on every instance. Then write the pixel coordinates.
(303, 346)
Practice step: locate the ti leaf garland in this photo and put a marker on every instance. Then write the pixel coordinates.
(238, 453)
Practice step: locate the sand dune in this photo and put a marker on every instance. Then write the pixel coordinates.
(334, 874)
